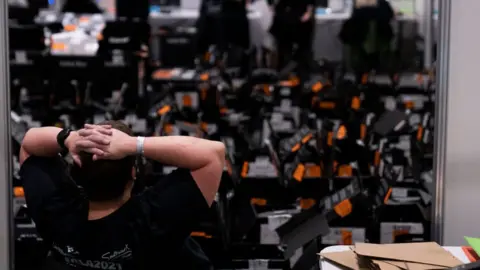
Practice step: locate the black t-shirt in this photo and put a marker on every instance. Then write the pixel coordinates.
(150, 230)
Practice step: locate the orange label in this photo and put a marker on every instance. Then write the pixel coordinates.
(346, 237)
(162, 74)
(409, 104)
(168, 129)
(296, 147)
(70, 27)
(307, 138)
(84, 19)
(266, 89)
(258, 202)
(377, 158)
(419, 133)
(18, 192)
(307, 203)
(164, 110)
(387, 196)
(58, 46)
(317, 87)
(344, 208)
(200, 234)
(330, 138)
(187, 100)
(363, 131)
(342, 132)
(397, 233)
(244, 172)
(223, 110)
(313, 171)
(207, 56)
(345, 171)
(356, 103)
(229, 167)
(204, 76)
(328, 105)
(204, 126)
(365, 78)
(299, 172)
(203, 93)
(293, 81)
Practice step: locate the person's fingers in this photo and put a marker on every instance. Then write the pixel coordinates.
(91, 132)
(94, 151)
(90, 126)
(104, 155)
(86, 143)
(77, 160)
(86, 132)
(100, 139)
(104, 131)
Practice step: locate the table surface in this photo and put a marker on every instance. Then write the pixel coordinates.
(252, 14)
(325, 265)
(51, 16)
(191, 14)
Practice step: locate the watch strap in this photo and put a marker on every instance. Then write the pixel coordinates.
(61, 138)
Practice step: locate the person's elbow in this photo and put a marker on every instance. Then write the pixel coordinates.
(208, 177)
(217, 162)
(219, 150)
(27, 139)
(26, 142)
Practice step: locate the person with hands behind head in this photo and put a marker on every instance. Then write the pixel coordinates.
(88, 212)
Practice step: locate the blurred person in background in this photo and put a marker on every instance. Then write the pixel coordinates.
(293, 29)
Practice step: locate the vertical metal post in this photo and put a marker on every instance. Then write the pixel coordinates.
(6, 212)
(428, 23)
(441, 113)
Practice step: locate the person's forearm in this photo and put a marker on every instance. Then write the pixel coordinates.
(181, 151)
(42, 142)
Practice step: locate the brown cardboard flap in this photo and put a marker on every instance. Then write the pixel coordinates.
(423, 253)
(414, 266)
(347, 259)
(382, 265)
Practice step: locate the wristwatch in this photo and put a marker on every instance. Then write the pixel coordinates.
(61, 137)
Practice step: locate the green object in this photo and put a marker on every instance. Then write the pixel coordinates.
(474, 243)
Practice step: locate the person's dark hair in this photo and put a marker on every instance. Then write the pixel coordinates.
(105, 180)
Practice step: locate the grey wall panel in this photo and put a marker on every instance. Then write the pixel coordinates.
(462, 130)
(6, 220)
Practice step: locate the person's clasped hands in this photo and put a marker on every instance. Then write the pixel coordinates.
(102, 141)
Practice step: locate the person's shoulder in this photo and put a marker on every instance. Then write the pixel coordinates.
(57, 159)
(180, 173)
(44, 162)
(176, 176)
